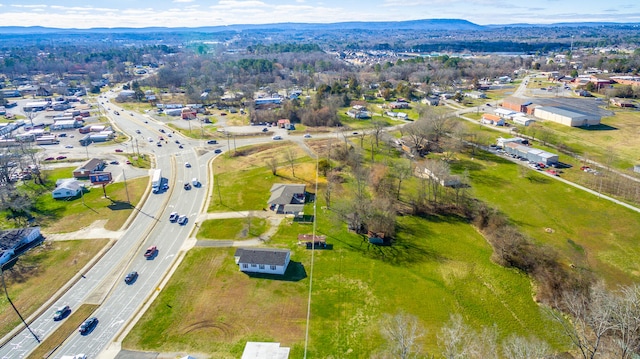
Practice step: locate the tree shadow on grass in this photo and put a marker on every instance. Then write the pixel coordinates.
(295, 272)
(119, 205)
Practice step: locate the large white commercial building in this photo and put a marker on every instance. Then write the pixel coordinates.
(566, 117)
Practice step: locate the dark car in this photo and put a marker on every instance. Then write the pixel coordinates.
(187, 186)
(61, 158)
(162, 130)
(49, 159)
(212, 142)
(131, 277)
(265, 129)
(88, 325)
(217, 150)
(61, 313)
(182, 220)
(181, 146)
(114, 163)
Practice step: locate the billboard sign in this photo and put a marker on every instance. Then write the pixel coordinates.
(100, 177)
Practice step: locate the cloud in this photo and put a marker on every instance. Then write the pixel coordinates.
(182, 1)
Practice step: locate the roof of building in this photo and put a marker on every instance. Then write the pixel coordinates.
(11, 237)
(562, 111)
(266, 256)
(262, 350)
(283, 193)
(504, 111)
(488, 116)
(71, 184)
(90, 165)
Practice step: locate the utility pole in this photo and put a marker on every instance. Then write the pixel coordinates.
(126, 189)
(14, 307)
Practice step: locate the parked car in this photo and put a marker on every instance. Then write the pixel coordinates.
(88, 325)
(62, 135)
(49, 159)
(68, 146)
(173, 216)
(119, 150)
(61, 313)
(131, 277)
(306, 135)
(182, 220)
(150, 252)
(114, 163)
(61, 158)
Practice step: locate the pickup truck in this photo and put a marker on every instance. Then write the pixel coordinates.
(150, 252)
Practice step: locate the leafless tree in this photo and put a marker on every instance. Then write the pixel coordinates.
(272, 163)
(454, 338)
(401, 170)
(590, 319)
(290, 157)
(626, 322)
(378, 128)
(402, 332)
(516, 347)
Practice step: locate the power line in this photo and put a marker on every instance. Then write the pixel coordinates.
(313, 246)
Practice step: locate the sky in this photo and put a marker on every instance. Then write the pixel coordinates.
(83, 14)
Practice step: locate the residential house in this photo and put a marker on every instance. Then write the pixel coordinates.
(398, 105)
(622, 102)
(490, 119)
(431, 101)
(92, 166)
(287, 198)
(262, 260)
(475, 95)
(14, 241)
(67, 189)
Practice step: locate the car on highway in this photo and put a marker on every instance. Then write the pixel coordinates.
(306, 135)
(187, 164)
(217, 150)
(162, 130)
(182, 220)
(150, 139)
(68, 146)
(49, 158)
(151, 252)
(119, 150)
(88, 325)
(131, 277)
(177, 142)
(128, 162)
(114, 163)
(117, 113)
(61, 313)
(265, 129)
(61, 158)
(173, 216)
(181, 146)
(159, 144)
(211, 142)
(138, 131)
(187, 186)
(276, 137)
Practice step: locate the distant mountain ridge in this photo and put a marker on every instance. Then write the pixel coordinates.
(424, 25)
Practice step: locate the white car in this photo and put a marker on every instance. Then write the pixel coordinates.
(276, 137)
(68, 146)
(306, 135)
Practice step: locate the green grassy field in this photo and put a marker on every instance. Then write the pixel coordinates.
(437, 266)
(588, 231)
(40, 273)
(232, 228)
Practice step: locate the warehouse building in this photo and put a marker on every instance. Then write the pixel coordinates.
(531, 154)
(566, 117)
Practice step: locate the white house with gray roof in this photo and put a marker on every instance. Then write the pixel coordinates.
(263, 260)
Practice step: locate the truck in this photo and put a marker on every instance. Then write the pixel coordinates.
(47, 140)
(156, 180)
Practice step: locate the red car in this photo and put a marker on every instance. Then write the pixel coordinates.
(118, 150)
(151, 252)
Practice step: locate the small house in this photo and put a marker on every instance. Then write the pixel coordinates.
(67, 189)
(92, 166)
(490, 119)
(287, 198)
(16, 240)
(262, 260)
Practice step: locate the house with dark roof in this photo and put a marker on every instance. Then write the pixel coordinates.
(15, 241)
(92, 166)
(262, 260)
(287, 198)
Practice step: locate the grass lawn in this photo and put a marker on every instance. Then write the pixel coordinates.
(232, 228)
(588, 231)
(40, 273)
(232, 194)
(437, 266)
(80, 212)
(70, 325)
